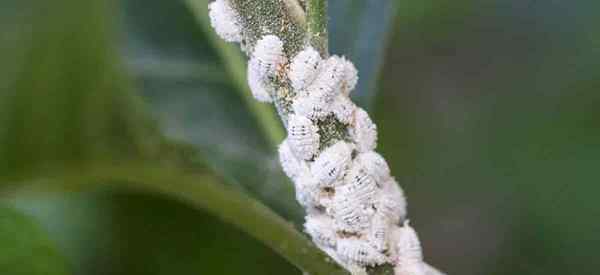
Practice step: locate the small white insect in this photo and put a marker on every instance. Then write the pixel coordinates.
(328, 83)
(408, 246)
(363, 131)
(392, 202)
(359, 252)
(350, 214)
(269, 55)
(350, 77)
(331, 163)
(359, 185)
(378, 233)
(292, 166)
(260, 90)
(375, 165)
(304, 68)
(225, 20)
(311, 107)
(321, 229)
(307, 192)
(343, 108)
(303, 137)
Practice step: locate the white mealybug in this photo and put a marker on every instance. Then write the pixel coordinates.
(225, 20)
(328, 83)
(304, 68)
(359, 252)
(378, 233)
(303, 137)
(269, 55)
(311, 107)
(408, 246)
(257, 85)
(332, 163)
(321, 229)
(363, 131)
(292, 166)
(350, 214)
(307, 192)
(350, 77)
(392, 202)
(359, 184)
(343, 108)
(375, 165)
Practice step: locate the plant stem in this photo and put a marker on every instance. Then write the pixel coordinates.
(316, 13)
(203, 192)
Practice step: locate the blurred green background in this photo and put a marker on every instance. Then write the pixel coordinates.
(489, 114)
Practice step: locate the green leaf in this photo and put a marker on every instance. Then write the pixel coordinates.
(360, 30)
(203, 99)
(70, 121)
(26, 250)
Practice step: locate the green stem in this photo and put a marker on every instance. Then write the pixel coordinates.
(203, 192)
(316, 13)
(235, 65)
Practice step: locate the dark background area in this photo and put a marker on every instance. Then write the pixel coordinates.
(488, 113)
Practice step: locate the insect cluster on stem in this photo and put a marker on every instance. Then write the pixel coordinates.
(356, 211)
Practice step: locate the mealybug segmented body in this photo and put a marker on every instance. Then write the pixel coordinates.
(375, 165)
(292, 166)
(269, 55)
(359, 252)
(363, 131)
(304, 68)
(311, 107)
(392, 202)
(378, 233)
(408, 246)
(343, 108)
(328, 83)
(321, 229)
(257, 85)
(350, 77)
(303, 137)
(331, 163)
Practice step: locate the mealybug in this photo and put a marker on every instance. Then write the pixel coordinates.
(363, 131)
(292, 166)
(332, 163)
(225, 20)
(328, 83)
(350, 77)
(375, 165)
(343, 108)
(256, 83)
(359, 252)
(378, 233)
(304, 68)
(392, 202)
(303, 137)
(321, 229)
(269, 55)
(311, 107)
(408, 246)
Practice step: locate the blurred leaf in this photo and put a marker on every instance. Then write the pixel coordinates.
(25, 249)
(361, 30)
(70, 121)
(196, 95)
